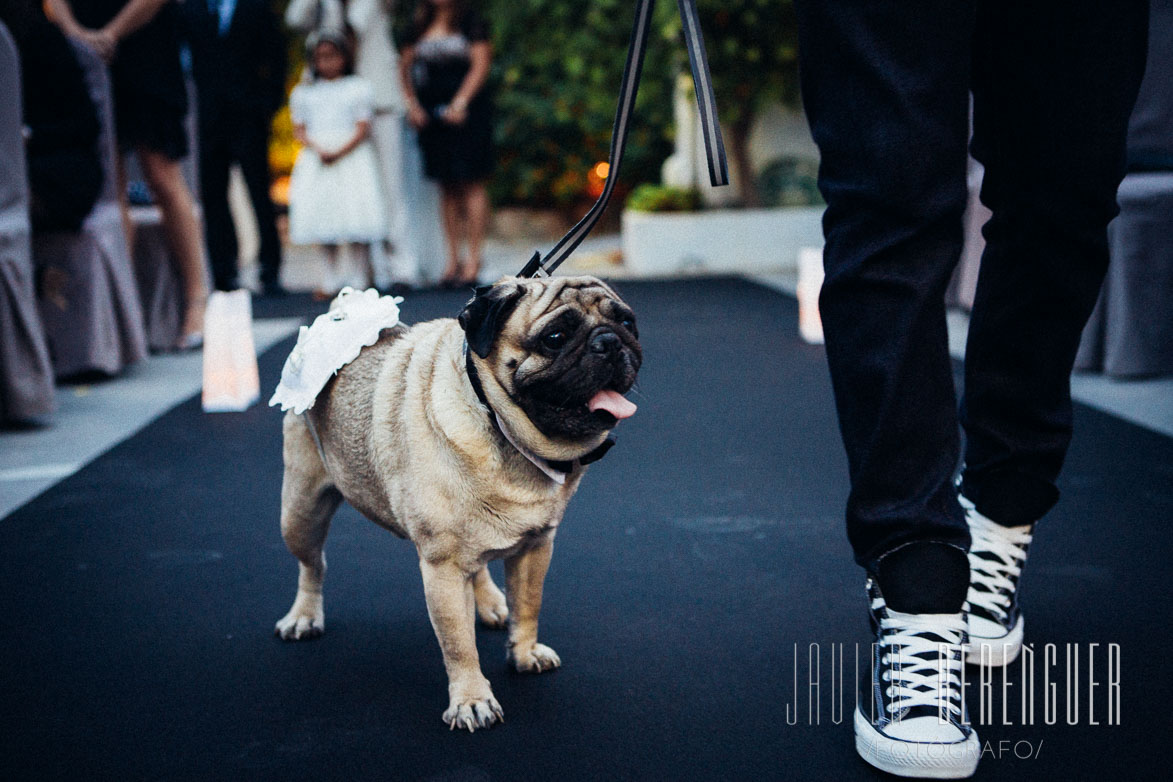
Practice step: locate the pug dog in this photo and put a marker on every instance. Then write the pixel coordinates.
(468, 437)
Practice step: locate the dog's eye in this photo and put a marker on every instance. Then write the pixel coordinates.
(555, 340)
(629, 324)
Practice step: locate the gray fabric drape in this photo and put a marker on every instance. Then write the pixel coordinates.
(26, 375)
(1150, 129)
(1130, 333)
(89, 297)
(159, 287)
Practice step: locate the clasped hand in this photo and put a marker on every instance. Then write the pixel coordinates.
(101, 41)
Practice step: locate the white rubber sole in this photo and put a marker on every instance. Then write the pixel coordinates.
(995, 652)
(919, 760)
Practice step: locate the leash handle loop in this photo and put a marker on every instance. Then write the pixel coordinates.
(706, 99)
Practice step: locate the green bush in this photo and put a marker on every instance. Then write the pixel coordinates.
(557, 68)
(790, 181)
(556, 71)
(659, 198)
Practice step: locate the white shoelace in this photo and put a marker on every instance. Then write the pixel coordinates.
(921, 672)
(1008, 546)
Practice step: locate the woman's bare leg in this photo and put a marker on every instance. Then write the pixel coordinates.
(329, 284)
(362, 255)
(476, 210)
(452, 206)
(123, 205)
(165, 178)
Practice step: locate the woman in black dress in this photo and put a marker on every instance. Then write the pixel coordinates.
(444, 68)
(138, 39)
(61, 147)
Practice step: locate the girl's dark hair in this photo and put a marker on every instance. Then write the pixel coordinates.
(336, 38)
(425, 14)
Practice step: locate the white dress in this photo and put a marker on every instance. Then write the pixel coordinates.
(412, 202)
(341, 202)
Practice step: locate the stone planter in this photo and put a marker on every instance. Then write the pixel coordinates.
(720, 240)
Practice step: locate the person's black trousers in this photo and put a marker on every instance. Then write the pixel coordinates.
(227, 137)
(886, 86)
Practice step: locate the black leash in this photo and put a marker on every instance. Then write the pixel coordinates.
(629, 87)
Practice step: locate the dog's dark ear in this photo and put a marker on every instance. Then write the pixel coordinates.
(483, 317)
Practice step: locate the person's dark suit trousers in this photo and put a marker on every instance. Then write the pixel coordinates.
(886, 86)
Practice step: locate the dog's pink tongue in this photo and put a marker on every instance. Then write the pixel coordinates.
(613, 402)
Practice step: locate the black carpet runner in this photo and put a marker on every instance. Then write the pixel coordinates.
(696, 567)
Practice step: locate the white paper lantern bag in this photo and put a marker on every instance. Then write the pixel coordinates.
(231, 381)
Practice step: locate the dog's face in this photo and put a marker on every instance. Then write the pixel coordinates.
(563, 350)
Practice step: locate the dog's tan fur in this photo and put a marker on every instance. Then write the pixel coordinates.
(407, 442)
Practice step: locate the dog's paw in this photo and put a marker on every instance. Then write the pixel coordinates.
(471, 713)
(301, 623)
(537, 659)
(492, 607)
(495, 614)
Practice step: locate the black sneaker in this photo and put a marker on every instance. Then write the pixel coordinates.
(911, 719)
(996, 557)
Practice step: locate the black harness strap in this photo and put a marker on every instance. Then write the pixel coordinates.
(628, 89)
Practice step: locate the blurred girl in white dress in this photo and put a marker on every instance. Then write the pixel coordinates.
(334, 192)
(412, 202)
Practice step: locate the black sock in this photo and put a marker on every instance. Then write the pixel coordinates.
(924, 578)
(1010, 498)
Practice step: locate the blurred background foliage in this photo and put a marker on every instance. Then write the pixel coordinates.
(556, 72)
(558, 67)
(649, 197)
(753, 57)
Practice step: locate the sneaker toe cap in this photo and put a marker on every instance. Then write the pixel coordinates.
(925, 730)
(982, 629)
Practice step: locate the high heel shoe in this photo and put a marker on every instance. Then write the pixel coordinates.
(189, 342)
(191, 338)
